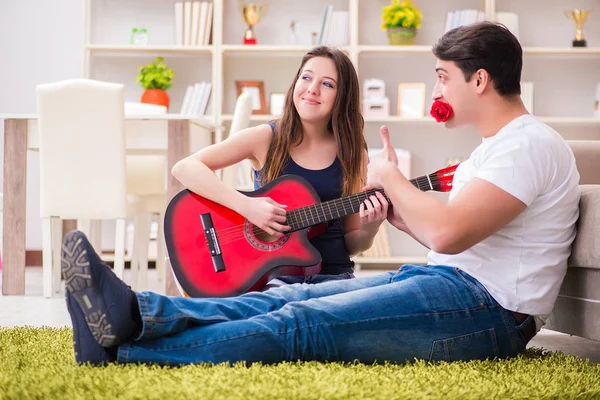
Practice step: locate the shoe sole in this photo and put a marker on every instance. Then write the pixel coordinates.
(77, 272)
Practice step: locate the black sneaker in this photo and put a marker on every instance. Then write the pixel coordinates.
(109, 306)
(87, 349)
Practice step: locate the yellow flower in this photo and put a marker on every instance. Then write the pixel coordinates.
(400, 14)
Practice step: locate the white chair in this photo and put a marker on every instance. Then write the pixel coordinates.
(147, 178)
(82, 165)
(240, 120)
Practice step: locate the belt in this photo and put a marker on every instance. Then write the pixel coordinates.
(528, 330)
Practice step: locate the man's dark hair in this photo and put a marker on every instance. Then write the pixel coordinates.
(484, 45)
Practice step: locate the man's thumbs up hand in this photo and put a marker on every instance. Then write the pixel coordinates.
(382, 161)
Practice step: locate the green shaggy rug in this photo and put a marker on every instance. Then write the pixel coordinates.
(37, 363)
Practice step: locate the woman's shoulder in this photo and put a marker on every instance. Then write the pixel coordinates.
(257, 139)
(259, 133)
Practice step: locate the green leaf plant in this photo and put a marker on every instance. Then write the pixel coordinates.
(155, 75)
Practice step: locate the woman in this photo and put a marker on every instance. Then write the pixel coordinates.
(319, 137)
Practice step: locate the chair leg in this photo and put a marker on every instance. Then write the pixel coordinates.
(134, 251)
(120, 248)
(47, 257)
(56, 250)
(161, 251)
(96, 235)
(85, 226)
(143, 240)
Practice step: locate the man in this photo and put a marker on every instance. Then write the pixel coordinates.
(499, 249)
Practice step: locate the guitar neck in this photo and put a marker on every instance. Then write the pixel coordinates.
(315, 214)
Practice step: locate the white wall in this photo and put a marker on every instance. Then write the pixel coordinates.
(41, 41)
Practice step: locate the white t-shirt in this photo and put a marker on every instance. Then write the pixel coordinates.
(523, 264)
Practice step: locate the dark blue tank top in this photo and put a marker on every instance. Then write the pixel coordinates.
(328, 185)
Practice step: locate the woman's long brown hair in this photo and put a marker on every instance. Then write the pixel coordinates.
(346, 124)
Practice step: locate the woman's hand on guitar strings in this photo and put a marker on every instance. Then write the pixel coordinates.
(373, 211)
(266, 214)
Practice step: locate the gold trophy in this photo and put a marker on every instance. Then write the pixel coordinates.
(252, 13)
(579, 16)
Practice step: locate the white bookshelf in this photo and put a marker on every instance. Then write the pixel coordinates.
(564, 77)
(95, 49)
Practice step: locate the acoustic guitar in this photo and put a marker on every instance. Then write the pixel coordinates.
(216, 252)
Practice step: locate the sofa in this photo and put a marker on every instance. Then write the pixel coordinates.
(577, 309)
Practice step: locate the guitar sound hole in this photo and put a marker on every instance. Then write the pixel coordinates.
(264, 236)
(261, 240)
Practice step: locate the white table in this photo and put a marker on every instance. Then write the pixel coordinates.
(20, 134)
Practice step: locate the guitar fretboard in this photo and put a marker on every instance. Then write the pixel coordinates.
(315, 214)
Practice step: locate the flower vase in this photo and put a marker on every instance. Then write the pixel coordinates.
(400, 36)
(156, 96)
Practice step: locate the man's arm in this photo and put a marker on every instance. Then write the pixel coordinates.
(479, 210)
(397, 222)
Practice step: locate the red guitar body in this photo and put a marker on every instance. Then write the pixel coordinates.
(249, 261)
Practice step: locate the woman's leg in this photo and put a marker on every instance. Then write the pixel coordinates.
(425, 312)
(162, 315)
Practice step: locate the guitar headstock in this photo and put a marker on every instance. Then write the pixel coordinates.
(442, 179)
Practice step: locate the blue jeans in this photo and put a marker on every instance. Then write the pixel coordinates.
(423, 312)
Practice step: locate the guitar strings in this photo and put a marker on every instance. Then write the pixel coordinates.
(349, 199)
(231, 234)
(306, 220)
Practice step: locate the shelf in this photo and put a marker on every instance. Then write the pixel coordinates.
(395, 118)
(581, 121)
(562, 51)
(391, 260)
(395, 49)
(268, 49)
(254, 117)
(133, 50)
(527, 50)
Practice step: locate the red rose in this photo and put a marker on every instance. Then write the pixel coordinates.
(441, 111)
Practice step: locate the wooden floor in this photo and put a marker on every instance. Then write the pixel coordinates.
(34, 310)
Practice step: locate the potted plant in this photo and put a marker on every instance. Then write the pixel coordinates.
(401, 20)
(156, 78)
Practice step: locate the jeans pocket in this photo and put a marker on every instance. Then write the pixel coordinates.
(474, 346)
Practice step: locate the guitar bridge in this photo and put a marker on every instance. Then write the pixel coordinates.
(213, 242)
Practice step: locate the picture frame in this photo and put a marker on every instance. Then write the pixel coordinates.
(276, 103)
(411, 100)
(256, 89)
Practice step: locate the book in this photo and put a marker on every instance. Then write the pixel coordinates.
(187, 22)
(325, 24)
(195, 23)
(208, 27)
(178, 16)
